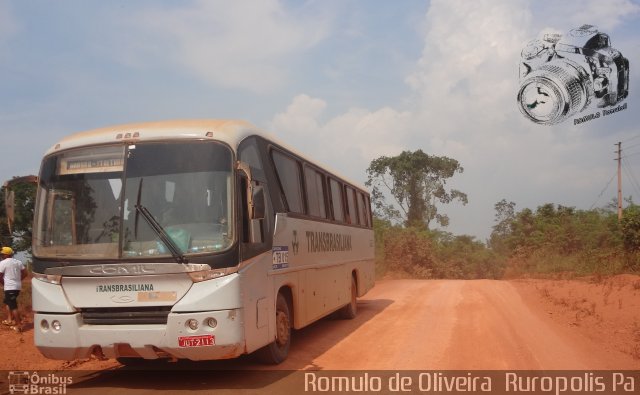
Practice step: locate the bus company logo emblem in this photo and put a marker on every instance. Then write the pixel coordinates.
(121, 299)
(102, 288)
(328, 242)
(295, 244)
(119, 270)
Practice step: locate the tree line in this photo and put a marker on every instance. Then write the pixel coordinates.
(559, 239)
(551, 239)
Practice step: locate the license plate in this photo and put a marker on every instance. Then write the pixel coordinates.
(196, 341)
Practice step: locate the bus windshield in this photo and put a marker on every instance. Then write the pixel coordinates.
(89, 201)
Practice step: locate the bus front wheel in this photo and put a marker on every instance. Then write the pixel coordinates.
(277, 351)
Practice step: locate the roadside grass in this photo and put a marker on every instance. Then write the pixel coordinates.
(548, 264)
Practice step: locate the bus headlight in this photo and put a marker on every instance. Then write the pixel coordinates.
(48, 278)
(56, 325)
(192, 324)
(211, 322)
(204, 275)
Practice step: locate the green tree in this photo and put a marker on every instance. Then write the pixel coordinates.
(417, 183)
(631, 229)
(23, 191)
(409, 251)
(505, 217)
(5, 235)
(462, 256)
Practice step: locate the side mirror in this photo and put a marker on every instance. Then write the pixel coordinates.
(257, 199)
(255, 193)
(9, 196)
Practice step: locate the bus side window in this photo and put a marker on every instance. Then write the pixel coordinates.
(362, 210)
(337, 203)
(288, 170)
(314, 182)
(351, 205)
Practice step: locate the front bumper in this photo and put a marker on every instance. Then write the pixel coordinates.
(74, 339)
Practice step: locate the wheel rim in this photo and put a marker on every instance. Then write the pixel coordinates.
(354, 295)
(282, 322)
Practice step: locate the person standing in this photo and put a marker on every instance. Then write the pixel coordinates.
(13, 271)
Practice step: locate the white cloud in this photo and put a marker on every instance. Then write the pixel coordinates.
(469, 54)
(301, 114)
(606, 15)
(348, 141)
(239, 44)
(463, 106)
(464, 93)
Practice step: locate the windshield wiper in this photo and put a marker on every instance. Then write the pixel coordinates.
(162, 234)
(135, 226)
(157, 228)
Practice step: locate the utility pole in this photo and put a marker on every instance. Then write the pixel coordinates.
(619, 152)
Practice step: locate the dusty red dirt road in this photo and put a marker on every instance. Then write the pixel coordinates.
(417, 325)
(444, 324)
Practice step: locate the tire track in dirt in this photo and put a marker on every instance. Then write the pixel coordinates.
(412, 331)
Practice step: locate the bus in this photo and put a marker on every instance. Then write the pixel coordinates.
(191, 239)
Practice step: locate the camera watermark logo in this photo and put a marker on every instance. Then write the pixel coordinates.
(562, 75)
(24, 382)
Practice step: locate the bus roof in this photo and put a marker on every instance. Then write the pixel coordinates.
(231, 132)
(228, 131)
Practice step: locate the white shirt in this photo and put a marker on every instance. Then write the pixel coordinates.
(12, 278)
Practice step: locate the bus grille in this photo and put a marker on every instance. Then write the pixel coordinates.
(125, 316)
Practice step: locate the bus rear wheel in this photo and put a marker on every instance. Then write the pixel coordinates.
(350, 310)
(277, 351)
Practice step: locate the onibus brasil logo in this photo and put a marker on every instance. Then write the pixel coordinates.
(563, 75)
(24, 382)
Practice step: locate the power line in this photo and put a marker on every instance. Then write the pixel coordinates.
(619, 152)
(631, 146)
(603, 191)
(631, 138)
(628, 171)
(631, 176)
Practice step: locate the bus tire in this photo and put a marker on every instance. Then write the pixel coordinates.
(278, 351)
(349, 311)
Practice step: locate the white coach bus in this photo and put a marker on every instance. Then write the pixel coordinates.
(191, 240)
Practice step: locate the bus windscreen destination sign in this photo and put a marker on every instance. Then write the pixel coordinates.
(91, 165)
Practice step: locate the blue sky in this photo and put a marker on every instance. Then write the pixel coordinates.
(344, 81)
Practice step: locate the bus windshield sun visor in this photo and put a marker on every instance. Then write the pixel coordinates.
(158, 229)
